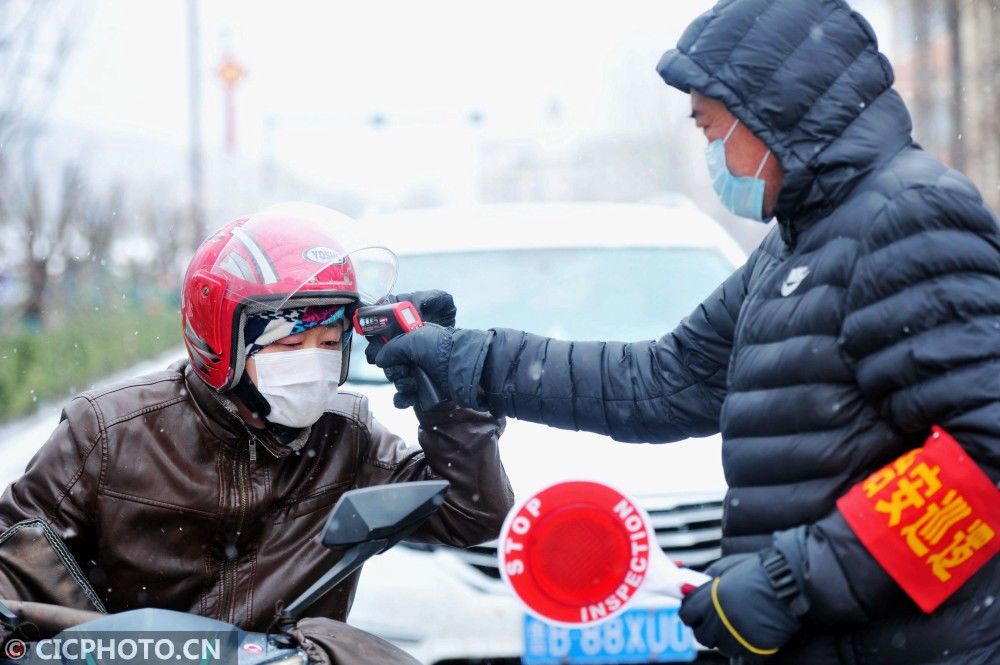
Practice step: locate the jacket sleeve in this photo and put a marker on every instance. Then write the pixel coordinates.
(923, 332)
(457, 445)
(649, 391)
(52, 506)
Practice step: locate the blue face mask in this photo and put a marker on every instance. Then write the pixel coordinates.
(742, 195)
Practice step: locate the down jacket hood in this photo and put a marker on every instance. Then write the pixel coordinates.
(807, 78)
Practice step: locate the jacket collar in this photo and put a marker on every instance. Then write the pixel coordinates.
(221, 416)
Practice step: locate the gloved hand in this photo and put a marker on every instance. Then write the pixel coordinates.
(739, 612)
(5, 634)
(330, 642)
(8, 623)
(452, 358)
(434, 306)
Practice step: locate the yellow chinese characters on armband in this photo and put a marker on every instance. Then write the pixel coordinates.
(930, 518)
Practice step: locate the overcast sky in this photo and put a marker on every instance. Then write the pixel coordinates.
(321, 69)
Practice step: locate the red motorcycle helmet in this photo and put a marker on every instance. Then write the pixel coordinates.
(288, 255)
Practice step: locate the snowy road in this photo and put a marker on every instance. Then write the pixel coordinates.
(20, 439)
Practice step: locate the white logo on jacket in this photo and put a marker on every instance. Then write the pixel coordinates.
(793, 280)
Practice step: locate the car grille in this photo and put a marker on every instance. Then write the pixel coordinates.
(688, 532)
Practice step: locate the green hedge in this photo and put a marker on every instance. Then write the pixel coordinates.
(66, 357)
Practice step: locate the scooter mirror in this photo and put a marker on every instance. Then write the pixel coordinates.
(366, 522)
(389, 512)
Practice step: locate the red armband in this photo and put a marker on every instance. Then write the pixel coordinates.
(930, 518)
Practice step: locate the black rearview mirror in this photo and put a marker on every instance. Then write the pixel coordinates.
(386, 511)
(366, 522)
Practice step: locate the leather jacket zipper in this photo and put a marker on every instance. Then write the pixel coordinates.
(224, 604)
(242, 471)
(230, 563)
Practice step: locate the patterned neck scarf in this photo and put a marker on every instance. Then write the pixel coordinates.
(268, 327)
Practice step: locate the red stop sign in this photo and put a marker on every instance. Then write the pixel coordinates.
(575, 552)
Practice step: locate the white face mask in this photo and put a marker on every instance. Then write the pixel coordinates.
(299, 385)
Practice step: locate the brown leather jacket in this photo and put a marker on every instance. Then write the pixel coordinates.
(157, 490)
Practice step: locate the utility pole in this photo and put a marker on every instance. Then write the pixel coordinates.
(230, 72)
(922, 106)
(269, 166)
(195, 158)
(953, 16)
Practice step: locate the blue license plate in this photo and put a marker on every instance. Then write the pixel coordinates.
(635, 636)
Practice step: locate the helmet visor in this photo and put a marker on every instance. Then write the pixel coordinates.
(305, 253)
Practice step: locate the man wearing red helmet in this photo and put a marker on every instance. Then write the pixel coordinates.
(202, 488)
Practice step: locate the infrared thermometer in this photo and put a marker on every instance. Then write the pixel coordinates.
(385, 322)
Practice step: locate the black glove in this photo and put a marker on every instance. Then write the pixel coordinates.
(8, 629)
(5, 634)
(740, 612)
(434, 306)
(452, 358)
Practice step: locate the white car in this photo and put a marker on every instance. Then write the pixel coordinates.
(577, 272)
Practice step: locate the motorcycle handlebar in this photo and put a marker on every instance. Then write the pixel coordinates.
(50, 618)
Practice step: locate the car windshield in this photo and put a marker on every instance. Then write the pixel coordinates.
(579, 293)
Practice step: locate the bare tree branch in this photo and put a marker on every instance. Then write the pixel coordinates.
(33, 55)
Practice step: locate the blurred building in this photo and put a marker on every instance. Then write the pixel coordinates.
(592, 169)
(649, 168)
(947, 60)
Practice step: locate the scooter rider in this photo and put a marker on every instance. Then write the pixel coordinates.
(202, 488)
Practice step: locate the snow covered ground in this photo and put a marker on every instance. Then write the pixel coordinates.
(20, 439)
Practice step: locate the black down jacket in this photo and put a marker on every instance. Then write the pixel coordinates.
(871, 312)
